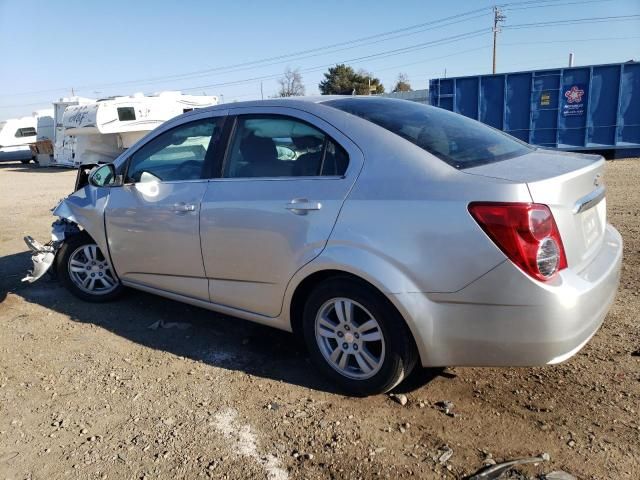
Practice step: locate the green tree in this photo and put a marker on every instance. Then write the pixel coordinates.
(344, 80)
(402, 85)
(368, 84)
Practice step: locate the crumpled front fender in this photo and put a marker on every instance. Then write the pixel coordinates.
(82, 209)
(85, 208)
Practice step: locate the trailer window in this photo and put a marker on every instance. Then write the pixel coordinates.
(126, 113)
(455, 139)
(25, 132)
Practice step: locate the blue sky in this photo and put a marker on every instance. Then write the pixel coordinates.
(48, 48)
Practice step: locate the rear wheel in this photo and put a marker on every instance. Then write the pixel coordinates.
(25, 161)
(85, 271)
(356, 338)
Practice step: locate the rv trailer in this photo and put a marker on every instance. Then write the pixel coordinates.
(104, 129)
(64, 146)
(18, 134)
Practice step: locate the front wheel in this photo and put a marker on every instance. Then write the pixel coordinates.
(357, 338)
(85, 271)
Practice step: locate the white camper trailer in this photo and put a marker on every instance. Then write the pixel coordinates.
(106, 128)
(64, 146)
(17, 135)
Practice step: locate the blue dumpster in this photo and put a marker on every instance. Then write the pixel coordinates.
(594, 107)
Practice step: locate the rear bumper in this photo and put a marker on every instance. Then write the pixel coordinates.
(505, 318)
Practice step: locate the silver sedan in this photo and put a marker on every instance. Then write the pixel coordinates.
(382, 232)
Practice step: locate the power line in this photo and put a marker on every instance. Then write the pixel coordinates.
(206, 73)
(284, 56)
(575, 21)
(326, 49)
(410, 48)
(413, 48)
(559, 4)
(395, 67)
(384, 54)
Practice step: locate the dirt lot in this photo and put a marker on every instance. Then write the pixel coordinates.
(89, 391)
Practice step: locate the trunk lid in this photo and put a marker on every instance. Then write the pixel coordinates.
(572, 186)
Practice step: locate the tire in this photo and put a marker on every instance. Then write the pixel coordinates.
(25, 162)
(71, 276)
(388, 360)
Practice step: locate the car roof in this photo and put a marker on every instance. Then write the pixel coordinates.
(293, 101)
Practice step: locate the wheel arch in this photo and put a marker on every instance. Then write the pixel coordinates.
(307, 283)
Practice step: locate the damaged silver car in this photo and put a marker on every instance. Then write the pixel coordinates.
(383, 232)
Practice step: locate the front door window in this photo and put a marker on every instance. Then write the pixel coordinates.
(178, 154)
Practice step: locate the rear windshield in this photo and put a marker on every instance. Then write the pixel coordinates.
(459, 141)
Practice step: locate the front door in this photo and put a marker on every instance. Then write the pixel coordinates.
(152, 222)
(285, 177)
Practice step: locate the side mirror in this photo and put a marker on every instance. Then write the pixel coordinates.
(105, 176)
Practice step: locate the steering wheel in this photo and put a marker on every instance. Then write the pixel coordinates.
(189, 164)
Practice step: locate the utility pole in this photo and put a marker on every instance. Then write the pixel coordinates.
(261, 91)
(498, 17)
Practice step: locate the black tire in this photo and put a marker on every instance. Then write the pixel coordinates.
(25, 161)
(70, 245)
(400, 350)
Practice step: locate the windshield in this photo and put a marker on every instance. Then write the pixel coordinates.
(459, 141)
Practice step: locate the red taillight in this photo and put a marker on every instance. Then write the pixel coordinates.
(526, 233)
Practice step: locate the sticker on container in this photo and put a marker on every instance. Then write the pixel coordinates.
(575, 98)
(545, 99)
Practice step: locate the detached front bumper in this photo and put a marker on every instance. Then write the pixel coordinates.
(42, 258)
(506, 318)
(44, 255)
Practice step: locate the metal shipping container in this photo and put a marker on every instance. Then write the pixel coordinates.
(594, 107)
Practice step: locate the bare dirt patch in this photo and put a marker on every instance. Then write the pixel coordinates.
(89, 391)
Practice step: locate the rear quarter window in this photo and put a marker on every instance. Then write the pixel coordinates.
(455, 139)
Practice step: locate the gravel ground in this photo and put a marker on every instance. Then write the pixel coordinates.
(90, 391)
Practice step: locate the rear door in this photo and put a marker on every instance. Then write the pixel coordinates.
(285, 177)
(152, 221)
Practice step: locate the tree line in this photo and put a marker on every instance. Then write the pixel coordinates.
(340, 80)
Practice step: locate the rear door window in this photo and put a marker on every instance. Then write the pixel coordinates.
(270, 146)
(457, 140)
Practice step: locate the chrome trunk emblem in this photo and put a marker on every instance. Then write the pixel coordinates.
(597, 180)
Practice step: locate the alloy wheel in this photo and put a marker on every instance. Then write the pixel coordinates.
(90, 271)
(350, 338)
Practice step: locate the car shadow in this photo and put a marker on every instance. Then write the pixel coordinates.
(183, 330)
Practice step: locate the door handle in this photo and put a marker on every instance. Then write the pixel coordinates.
(301, 206)
(184, 207)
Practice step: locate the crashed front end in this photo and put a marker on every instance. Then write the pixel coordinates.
(81, 210)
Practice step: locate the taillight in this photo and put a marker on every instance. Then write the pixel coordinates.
(526, 233)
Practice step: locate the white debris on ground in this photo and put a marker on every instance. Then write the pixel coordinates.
(245, 443)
